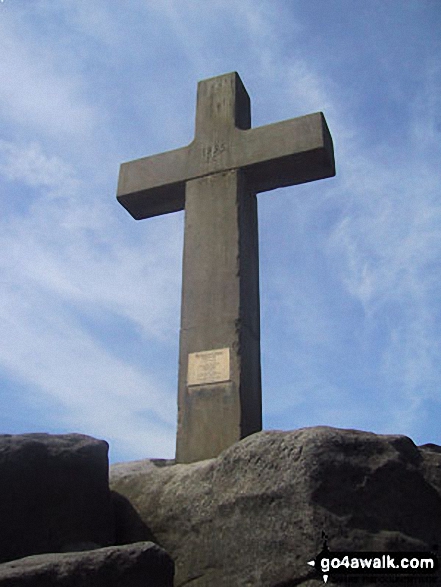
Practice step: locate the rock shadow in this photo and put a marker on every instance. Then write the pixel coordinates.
(129, 526)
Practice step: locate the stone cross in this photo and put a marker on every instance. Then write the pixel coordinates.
(215, 179)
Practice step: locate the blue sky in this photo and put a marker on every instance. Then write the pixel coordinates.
(350, 266)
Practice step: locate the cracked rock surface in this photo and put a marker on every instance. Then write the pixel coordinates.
(135, 565)
(254, 516)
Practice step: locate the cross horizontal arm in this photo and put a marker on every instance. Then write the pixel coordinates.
(286, 153)
(276, 155)
(154, 185)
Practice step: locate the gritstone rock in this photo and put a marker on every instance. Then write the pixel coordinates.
(255, 515)
(54, 494)
(136, 565)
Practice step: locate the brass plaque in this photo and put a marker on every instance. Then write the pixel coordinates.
(208, 367)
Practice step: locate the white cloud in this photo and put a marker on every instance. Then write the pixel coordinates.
(28, 164)
(387, 245)
(36, 92)
(64, 259)
(94, 389)
(76, 248)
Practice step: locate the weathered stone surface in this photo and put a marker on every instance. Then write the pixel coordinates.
(220, 310)
(54, 494)
(216, 179)
(254, 516)
(136, 565)
(275, 155)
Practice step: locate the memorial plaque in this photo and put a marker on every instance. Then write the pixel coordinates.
(208, 367)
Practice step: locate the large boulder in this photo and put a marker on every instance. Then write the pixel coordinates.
(255, 515)
(136, 565)
(54, 494)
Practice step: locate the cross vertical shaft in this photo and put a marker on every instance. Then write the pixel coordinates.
(220, 310)
(220, 289)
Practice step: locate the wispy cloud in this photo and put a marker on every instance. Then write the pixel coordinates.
(38, 93)
(350, 275)
(63, 265)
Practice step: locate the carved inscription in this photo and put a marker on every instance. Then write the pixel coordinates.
(213, 152)
(208, 367)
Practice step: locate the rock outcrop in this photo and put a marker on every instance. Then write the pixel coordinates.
(135, 565)
(54, 494)
(254, 516)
